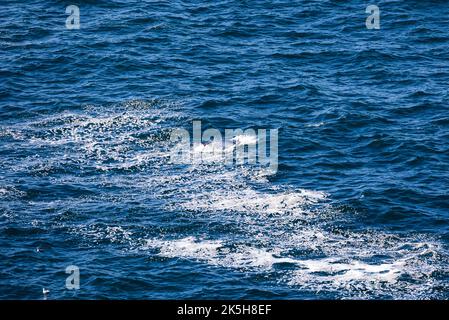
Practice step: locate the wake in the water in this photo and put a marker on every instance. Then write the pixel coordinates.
(228, 216)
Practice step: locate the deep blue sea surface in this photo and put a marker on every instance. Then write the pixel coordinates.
(358, 208)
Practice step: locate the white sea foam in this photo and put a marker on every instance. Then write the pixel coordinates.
(214, 252)
(315, 125)
(123, 138)
(277, 225)
(98, 233)
(187, 248)
(245, 139)
(11, 192)
(334, 273)
(345, 271)
(249, 200)
(10, 133)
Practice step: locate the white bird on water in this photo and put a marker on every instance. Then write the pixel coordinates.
(45, 291)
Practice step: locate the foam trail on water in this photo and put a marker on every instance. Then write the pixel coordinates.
(120, 159)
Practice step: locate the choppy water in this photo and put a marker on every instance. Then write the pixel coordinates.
(358, 207)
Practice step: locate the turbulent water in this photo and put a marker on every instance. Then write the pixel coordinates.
(357, 209)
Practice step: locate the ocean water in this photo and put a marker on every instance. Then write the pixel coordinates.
(358, 208)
